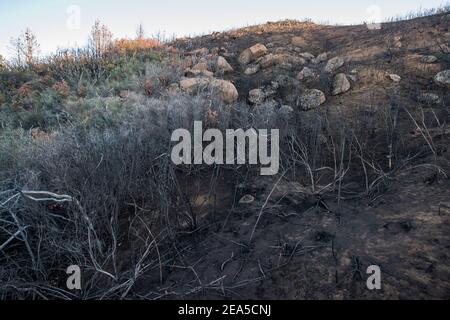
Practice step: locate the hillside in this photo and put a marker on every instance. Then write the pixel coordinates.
(364, 173)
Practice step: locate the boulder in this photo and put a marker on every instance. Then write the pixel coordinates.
(276, 59)
(192, 73)
(226, 90)
(258, 96)
(192, 85)
(252, 53)
(429, 59)
(310, 99)
(443, 78)
(223, 65)
(340, 84)
(201, 66)
(306, 74)
(333, 64)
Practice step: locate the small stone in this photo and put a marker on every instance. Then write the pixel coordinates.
(252, 69)
(395, 77)
(306, 55)
(247, 199)
(429, 59)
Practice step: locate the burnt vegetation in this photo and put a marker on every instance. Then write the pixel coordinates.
(86, 176)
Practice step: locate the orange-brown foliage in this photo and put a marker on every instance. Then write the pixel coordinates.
(24, 91)
(132, 46)
(62, 88)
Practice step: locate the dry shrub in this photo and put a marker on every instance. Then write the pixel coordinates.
(62, 88)
(126, 46)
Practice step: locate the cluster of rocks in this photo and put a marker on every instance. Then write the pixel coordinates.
(203, 75)
(199, 77)
(257, 58)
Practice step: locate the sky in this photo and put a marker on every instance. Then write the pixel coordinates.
(65, 23)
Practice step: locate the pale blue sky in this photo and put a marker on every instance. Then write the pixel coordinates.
(49, 18)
